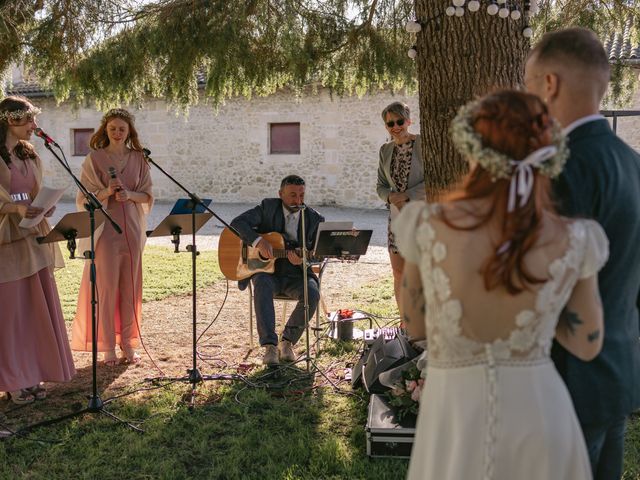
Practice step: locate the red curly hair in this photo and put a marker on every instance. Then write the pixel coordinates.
(515, 124)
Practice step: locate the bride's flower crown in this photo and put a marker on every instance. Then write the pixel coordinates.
(118, 112)
(19, 114)
(469, 143)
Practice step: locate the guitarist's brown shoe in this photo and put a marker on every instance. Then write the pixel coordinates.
(286, 351)
(270, 356)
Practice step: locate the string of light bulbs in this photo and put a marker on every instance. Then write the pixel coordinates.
(504, 9)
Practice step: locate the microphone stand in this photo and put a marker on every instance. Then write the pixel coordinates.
(305, 289)
(193, 374)
(96, 404)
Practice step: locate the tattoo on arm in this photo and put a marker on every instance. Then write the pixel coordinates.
(406, 319)
(570, 320)
(593, 336)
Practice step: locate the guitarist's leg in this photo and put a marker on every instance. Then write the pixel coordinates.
(264, 287)
(293, 288)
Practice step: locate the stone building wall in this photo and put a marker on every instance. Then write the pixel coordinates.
(224, 154)
(628, 128)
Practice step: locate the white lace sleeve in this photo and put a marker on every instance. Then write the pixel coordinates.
(596, 249)
(404, 227)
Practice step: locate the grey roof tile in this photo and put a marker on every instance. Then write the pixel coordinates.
(620, 45)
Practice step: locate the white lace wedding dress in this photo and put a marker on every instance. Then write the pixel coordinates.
(493, 406)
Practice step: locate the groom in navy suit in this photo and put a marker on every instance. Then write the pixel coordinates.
(281, 215)
(569, 70)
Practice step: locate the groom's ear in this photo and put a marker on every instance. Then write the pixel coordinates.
(552, 84)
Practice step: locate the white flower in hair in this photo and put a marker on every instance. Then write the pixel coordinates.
(469, 143)
(118, 112)
(19, 114)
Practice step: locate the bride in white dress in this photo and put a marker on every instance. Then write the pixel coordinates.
(492, 275)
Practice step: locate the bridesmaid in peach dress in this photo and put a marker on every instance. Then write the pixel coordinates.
(118, 259)
(34, 347)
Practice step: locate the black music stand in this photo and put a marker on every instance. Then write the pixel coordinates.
(71, 227)
(179, 224)
(184, 224)
(343, 243)
(347, 245)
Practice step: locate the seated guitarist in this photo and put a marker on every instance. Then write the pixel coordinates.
(281, 215)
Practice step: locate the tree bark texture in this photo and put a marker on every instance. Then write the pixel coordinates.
(460, 58)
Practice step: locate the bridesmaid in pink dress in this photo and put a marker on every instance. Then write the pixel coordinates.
(118, 259)
(33, 340)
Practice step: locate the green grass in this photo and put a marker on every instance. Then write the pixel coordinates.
(285, 429)
(164, 274)
(267, 436)
(632, 449)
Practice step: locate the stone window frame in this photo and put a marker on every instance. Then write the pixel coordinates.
(290, 151)
(82, 152)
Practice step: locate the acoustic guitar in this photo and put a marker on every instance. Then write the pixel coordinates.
(239, 261)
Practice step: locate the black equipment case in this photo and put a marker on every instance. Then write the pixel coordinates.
(386, 436)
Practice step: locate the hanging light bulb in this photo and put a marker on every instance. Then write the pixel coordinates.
(527, 32)
(450, 11)
(474, 6)
(458, 3)
(459, 11)
(413, 27)
(492, 9)
(503, 12)
(412, 52)
(515, 14)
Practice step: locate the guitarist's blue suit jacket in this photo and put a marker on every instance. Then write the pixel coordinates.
(268, 217)
(601, 180)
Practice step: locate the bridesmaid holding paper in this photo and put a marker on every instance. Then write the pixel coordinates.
(33, 341)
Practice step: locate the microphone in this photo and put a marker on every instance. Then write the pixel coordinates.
(295, 208)
(147, 153)
(47, 139)
(112, 174)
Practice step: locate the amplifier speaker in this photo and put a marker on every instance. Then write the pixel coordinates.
(356, 372)
(384, 356)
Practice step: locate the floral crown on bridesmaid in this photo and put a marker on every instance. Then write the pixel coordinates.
(547, 160)
(30, 112)
(118, 112)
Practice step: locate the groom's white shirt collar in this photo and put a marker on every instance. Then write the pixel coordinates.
(581, 121)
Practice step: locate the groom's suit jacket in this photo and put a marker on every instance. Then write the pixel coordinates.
(601, 180)
(269, 217)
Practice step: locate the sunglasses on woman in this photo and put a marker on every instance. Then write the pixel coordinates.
(392, 123)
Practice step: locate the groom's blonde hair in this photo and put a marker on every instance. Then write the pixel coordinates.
(577, 50)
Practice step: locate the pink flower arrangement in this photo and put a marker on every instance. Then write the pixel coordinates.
(405, 395)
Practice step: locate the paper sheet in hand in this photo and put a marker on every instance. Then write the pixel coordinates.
(47, 198)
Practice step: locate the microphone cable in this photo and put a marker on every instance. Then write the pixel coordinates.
(133, 293)
(211, 358)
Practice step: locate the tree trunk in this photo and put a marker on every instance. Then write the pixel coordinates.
(460, 58)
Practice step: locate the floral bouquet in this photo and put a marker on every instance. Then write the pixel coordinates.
(406, 383)
(405, 395)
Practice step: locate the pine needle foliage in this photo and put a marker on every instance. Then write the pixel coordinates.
(121, 51)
